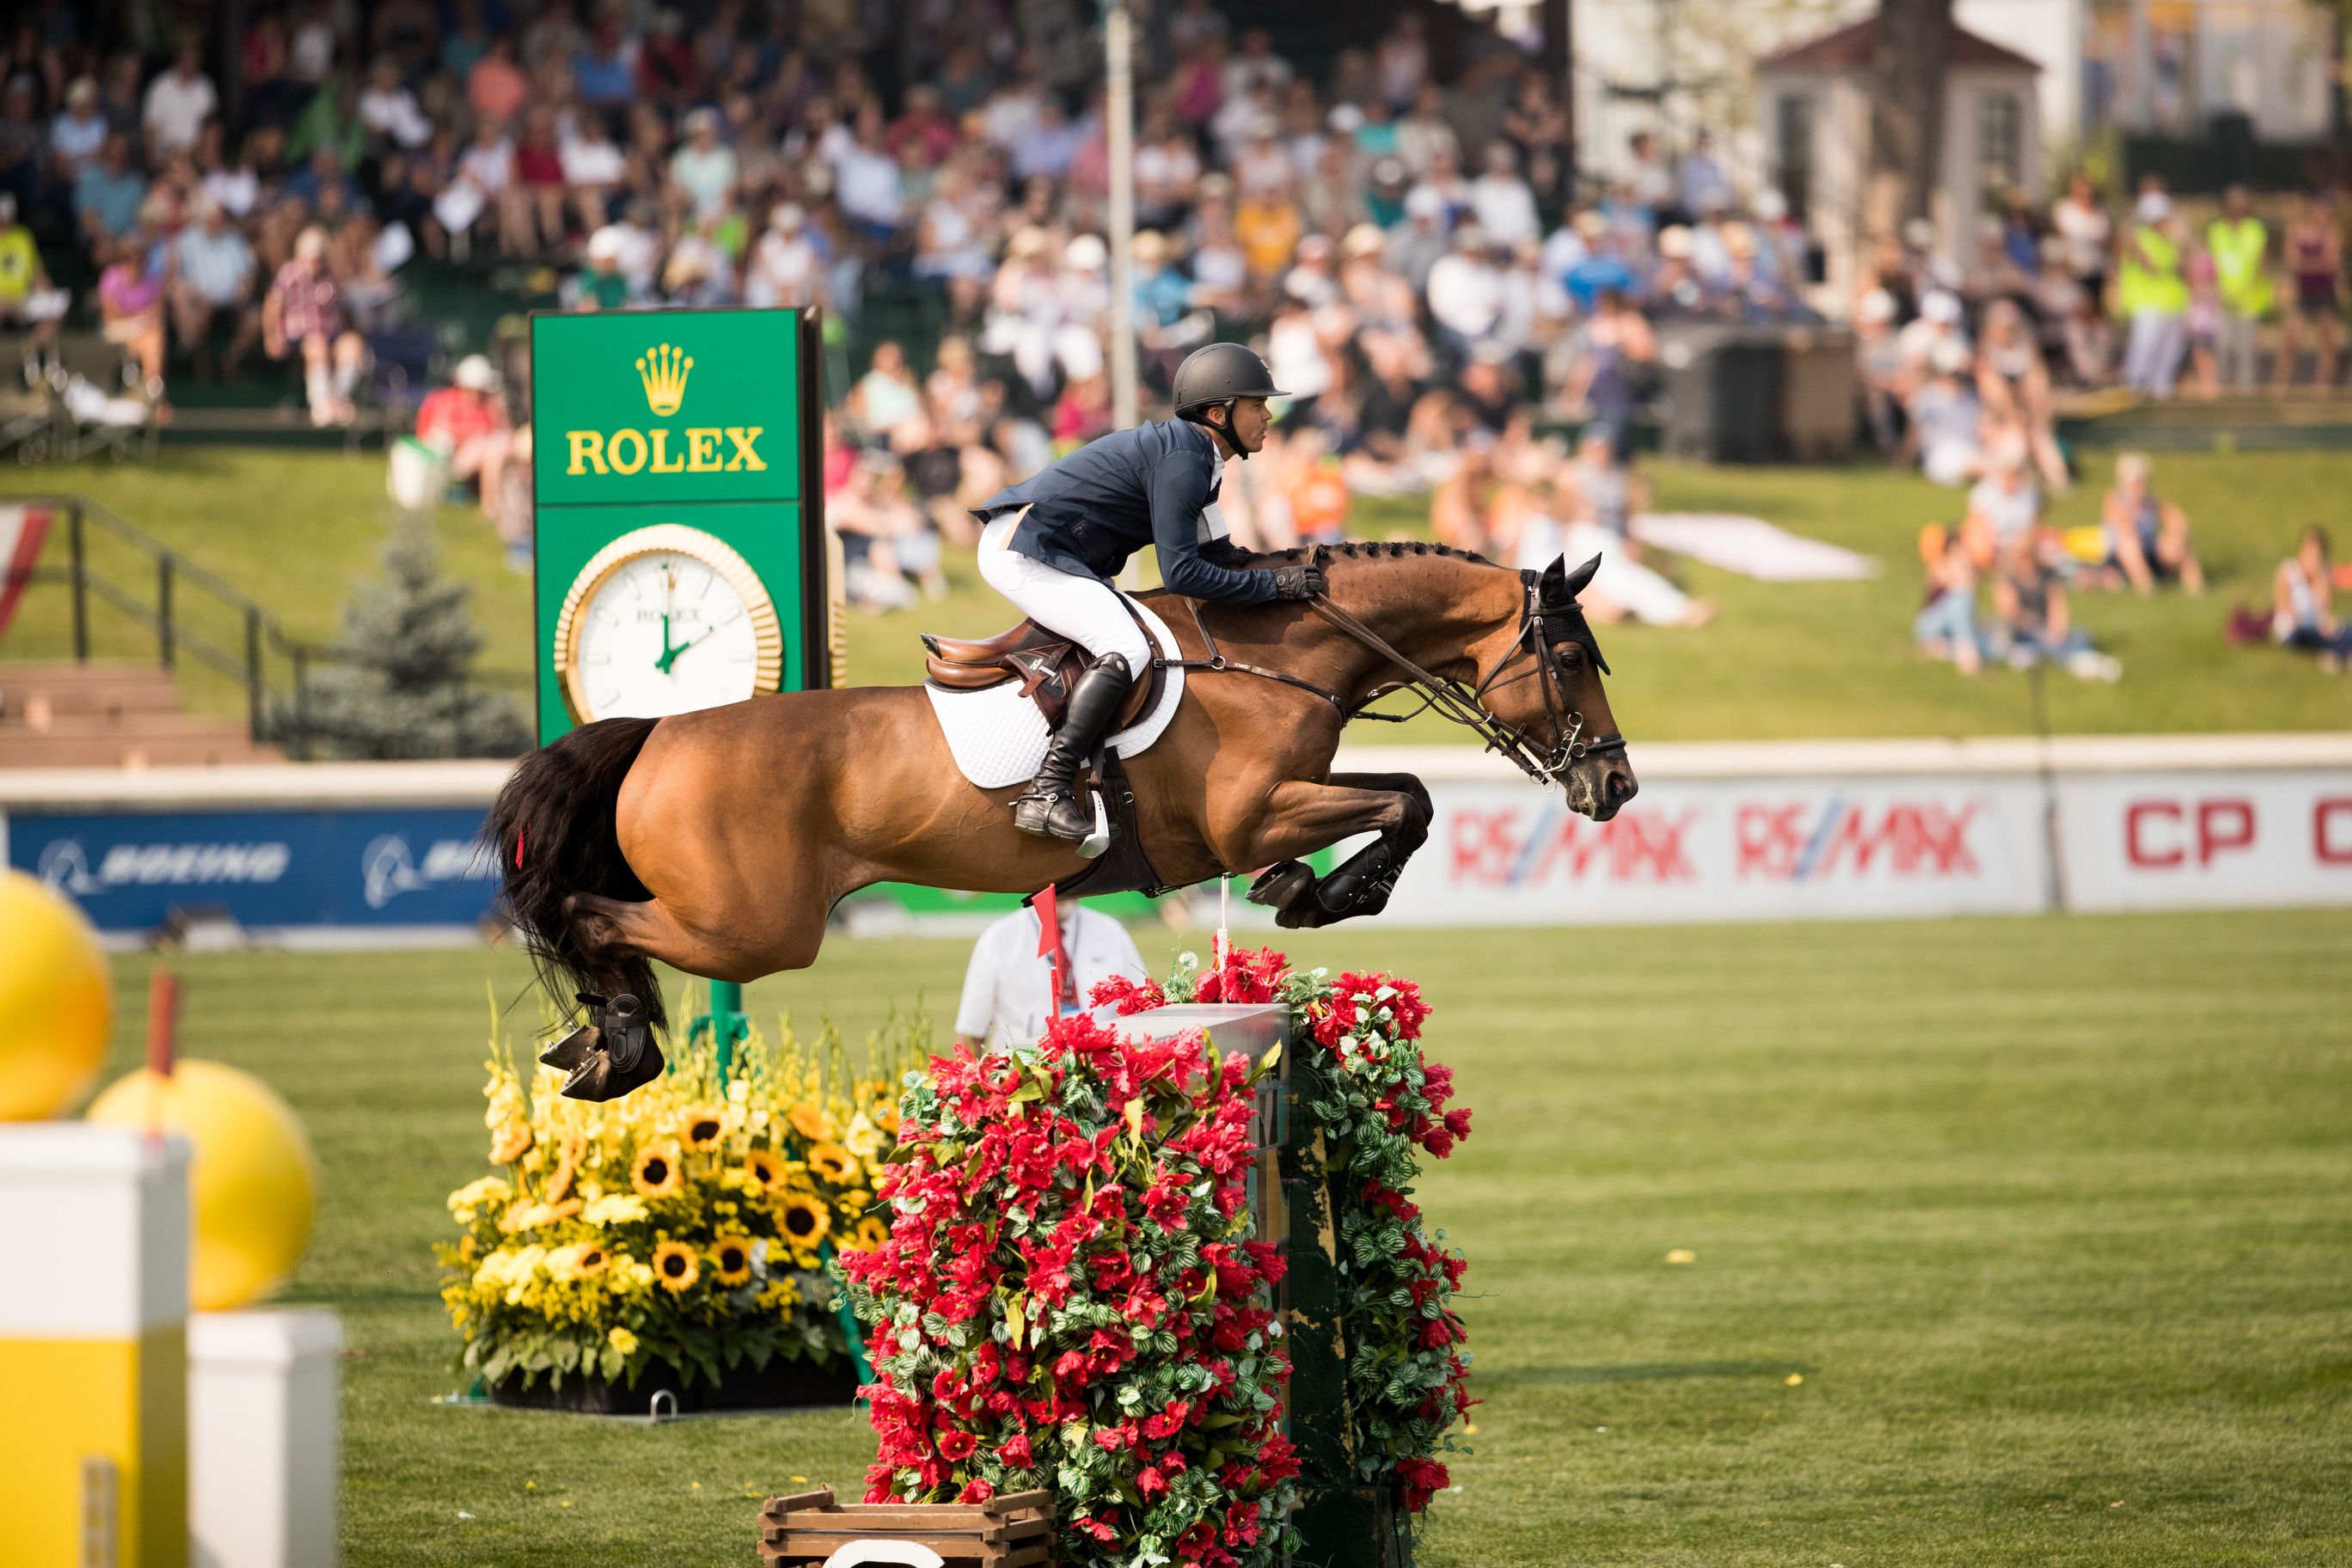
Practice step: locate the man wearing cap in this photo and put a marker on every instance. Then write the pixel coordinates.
(1053, 543)
(467, 424)
(2154, 297)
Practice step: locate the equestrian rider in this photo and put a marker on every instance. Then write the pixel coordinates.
(1053, 543)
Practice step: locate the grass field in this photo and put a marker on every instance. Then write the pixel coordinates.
(2051, 1217)
(297, 529)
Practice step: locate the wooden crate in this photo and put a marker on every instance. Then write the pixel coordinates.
(1015, 1530)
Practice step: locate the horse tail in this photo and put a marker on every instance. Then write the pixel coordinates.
(552, 831)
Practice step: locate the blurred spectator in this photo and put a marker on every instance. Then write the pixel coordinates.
(2154, 297)
(465, 423)
(1008, 987)
(1878, 369)
(108, 191)
(130, 296)
(178, 103)
(212, 276)
(389, 109)
(2014, 388)
(26, 297)
(1700, 181)
(2003, 507)
(2035, 623)
(2303, 611)
(2086, 236)
(2240, 244)
(303, 314)
(79, 132)
(1946, 419)
(1946, 627)
(2315, 256)
(2146, 537)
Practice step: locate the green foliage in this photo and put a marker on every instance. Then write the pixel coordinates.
(403, 691)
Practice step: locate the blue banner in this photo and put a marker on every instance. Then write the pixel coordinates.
(375, 866)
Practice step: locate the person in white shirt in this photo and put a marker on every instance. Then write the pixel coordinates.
(705, 167)
(212, 271)
(785, 270)
(386, 107)
(76, 135)
(1501, 201)
(1466, 291)
(594, 168)
(1006, 986)
(178, 103)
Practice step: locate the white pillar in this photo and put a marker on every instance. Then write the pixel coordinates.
(263, 1448)
(93, 1377)
(1118, 57)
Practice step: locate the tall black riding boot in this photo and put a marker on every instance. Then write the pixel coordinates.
(1049, 807)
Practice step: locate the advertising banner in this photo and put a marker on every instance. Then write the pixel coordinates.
(2190, 840)
(268, 871)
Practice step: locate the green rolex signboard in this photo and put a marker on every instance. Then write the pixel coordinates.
(681, 535)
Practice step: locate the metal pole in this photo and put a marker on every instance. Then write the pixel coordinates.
(252, 672)
(303, 700)
(80, 586)
(163, 607)
(1118, 57)
(2054, 844)
(728, 1023)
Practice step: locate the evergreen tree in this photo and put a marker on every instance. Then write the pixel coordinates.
(400, 688)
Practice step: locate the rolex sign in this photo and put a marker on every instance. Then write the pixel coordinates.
(679, 549)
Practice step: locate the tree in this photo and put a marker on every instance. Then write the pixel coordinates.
(400, 686)
(1906, 112)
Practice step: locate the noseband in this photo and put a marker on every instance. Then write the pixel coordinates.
(1451, 699)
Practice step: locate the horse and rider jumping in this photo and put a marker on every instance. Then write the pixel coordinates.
(718, 841)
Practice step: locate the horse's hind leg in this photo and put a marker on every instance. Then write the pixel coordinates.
(653, 930)
(1302, 817)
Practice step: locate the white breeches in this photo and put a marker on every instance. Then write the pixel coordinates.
(1079, 608)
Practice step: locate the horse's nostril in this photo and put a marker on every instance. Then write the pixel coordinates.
(1619, 786)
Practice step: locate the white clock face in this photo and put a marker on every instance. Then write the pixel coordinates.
(663, 633)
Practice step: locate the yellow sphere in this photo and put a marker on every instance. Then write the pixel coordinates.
(254, 1181)
(57, 1000)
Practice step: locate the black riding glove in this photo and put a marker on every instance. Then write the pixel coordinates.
(1298, 582)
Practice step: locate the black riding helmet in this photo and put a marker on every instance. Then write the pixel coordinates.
(1219, 375)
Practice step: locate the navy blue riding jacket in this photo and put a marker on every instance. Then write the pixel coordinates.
(1156, 484)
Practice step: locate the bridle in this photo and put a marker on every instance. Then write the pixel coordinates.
(1449, 698)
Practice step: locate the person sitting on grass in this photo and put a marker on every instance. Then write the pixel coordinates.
(2147, 537)
(2035, 623)
(2303, 613)
(467, 424)
(1946, 627)
(2004, 505)
(1945, 418)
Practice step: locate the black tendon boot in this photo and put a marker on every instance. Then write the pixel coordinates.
(1049, 807)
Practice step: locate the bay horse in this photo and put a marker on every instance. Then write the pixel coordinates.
(718, 841)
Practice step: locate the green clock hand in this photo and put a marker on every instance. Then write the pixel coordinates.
(671, 656)
(668, 654)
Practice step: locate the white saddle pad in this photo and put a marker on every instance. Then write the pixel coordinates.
(999, 737)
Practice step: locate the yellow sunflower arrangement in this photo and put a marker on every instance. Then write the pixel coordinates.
(693, 1219)
(658, 1173)
(803, 1220)
(703, 1126)
(730, 1259)
(831, 1162)
(677, 1266)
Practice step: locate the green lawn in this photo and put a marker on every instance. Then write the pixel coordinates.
(2049, 1217)
(296, 529)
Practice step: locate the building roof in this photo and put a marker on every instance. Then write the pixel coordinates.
(1856, 48)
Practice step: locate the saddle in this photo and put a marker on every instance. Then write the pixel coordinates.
(1045, 663)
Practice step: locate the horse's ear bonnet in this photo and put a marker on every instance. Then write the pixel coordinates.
(1556, 594)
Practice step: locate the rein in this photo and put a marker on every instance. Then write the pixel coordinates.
(1447, 696)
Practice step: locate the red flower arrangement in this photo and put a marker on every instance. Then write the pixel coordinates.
(1067, 1299)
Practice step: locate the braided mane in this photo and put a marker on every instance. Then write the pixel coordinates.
(1355, 550)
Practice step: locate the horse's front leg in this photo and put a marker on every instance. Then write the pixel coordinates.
(1300, 818)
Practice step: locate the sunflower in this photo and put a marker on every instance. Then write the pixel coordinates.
(559, 1183)
(573, 1150)
(656, 1173)
(704, 1125)
(803, 1221)
(766, 1167)
(870, 1233)
(811, 1123)
(834, 1163)
(592, 1259)
(730, 1259)
(676, 1266)
(512, 1144)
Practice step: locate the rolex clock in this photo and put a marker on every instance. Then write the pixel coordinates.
(662, 620)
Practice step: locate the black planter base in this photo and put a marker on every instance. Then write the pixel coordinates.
(783, 1384)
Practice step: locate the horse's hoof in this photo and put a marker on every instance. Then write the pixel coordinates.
(598, 1078)
(1282, 885)
(1301, 916)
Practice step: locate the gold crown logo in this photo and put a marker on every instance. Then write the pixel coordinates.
(663, 370)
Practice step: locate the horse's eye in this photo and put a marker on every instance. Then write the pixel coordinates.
(1570, 655)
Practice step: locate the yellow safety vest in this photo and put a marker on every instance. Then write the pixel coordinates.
(2239, 251)
(2156, 286)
